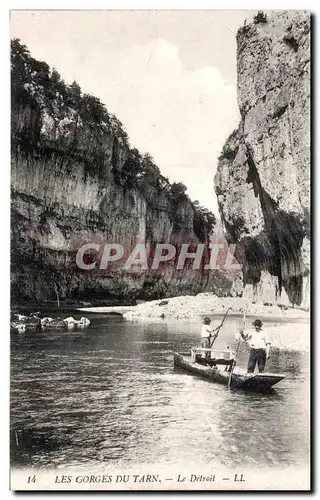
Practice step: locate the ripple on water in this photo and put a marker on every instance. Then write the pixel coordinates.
(113, 396)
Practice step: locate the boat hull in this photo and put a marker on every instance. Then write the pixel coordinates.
(256, 382)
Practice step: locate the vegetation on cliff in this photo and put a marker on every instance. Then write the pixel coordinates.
(76, 178)
(49, 115)
(263, 176)
(35, 85)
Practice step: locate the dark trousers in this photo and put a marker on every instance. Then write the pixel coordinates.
(257, 356)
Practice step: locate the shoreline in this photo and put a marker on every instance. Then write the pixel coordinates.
(180, 307)
(289, 328)
(188, 307)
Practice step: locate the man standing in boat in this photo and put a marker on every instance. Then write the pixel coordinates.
(259, 344)
(207, 335)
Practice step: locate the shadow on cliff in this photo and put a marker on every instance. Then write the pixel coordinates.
(278, 248)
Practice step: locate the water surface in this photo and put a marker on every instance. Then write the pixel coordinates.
(110, 395)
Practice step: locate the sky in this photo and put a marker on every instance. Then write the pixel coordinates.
(169, 76)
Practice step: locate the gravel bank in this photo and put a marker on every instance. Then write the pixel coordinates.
(207, 303)
(288, 334)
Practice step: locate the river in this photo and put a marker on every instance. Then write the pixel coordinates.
(110, 394)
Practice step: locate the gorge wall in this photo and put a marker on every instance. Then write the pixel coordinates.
(263, 176)
(76, 180)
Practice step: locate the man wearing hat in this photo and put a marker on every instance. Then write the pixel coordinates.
(259, 344)
(206, 334)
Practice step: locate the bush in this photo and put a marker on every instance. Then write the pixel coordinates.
(33, 83)
(260, 18)
(204, 221)
(36, 86)
(178, 190)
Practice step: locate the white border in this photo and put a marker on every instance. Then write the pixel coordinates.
(5, 174)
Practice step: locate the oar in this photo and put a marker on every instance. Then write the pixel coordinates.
(219, 327)
(237, 351)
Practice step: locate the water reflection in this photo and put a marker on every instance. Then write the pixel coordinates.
(110, 395)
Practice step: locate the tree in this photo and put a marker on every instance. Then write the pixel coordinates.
(92, 109)
(19, 50)
(260, 18)
(151, 172)
(132, 168)
(203, 222)
(40, 72)
(75, 91)
(56, 95)
(178, 189)
(20, 56)
(20, 71)
(57, 84)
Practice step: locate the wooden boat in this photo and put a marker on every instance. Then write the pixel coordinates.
(216, 368)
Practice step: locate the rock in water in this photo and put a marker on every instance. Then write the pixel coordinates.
(83, 323)
(70, 322)
(17, 327)
(263, 177)
(45, 321)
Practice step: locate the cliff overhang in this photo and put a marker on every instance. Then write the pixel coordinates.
(263, 176)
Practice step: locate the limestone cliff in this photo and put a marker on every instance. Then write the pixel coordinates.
(75, 180)
(263, 176)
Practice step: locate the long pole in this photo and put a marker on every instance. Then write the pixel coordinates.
(237, 351)
(220, 326)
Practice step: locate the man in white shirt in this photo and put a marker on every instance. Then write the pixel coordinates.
(206, 334)
(259, 344)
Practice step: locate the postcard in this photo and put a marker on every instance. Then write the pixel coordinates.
(160, 250)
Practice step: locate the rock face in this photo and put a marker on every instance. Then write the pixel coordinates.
(75, 180)
(263, 176)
